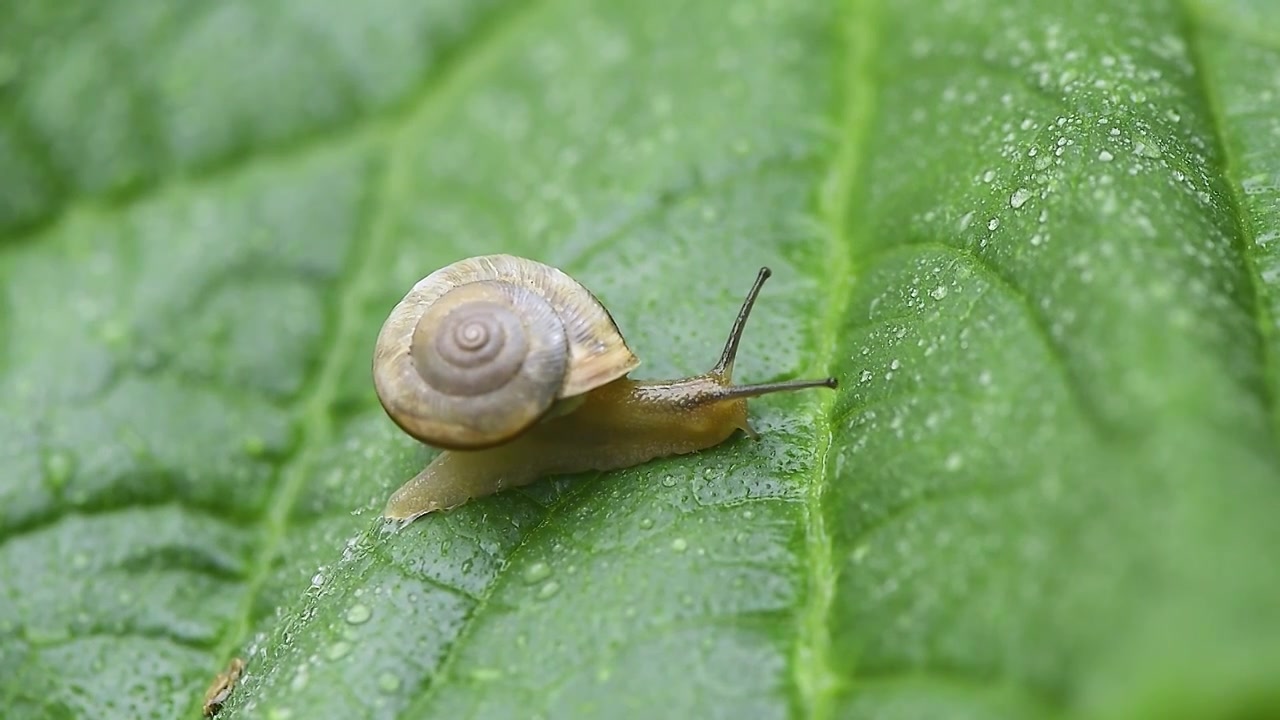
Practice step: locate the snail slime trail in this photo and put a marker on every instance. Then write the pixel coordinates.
(517, 372)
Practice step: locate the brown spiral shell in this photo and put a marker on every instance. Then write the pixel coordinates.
(480, 350)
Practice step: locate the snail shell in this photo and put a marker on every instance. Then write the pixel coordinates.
(480, 350)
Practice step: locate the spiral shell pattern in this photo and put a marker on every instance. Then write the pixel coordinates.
(480, 350)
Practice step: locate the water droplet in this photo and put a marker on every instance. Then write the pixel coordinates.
(549, 588)
(865, 376)
(1147, 150)
(338, 650)
(954, 461)
(679, 545)
(58, 467)
(358, 614)
(669, 481)
(938, 293)
(255, 446)
(1019, 198)
(993, 223)
(860, 553)
(748, 514)
(894, 364)
(537, 572)
(965, 221)
(1105, 156)
(646, 523)
(988, 176)
(299, 680)
(317, 580)
(388, 682)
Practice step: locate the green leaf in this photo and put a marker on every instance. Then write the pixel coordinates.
(1038, 243)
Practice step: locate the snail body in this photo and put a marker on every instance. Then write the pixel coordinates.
(518, 372)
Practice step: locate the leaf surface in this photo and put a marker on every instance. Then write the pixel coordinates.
(1038, 246)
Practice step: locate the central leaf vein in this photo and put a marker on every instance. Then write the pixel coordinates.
(1240, 231)
(815, 679)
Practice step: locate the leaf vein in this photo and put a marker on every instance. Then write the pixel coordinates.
(419, 706)
(814, 676)
(360, 128)
(1057, 354)
(362, 284)
(1240, 232)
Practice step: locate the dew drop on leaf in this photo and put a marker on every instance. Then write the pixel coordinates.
(485, 674)
(255, 446)
(1147, 149)
(58, 467)
(548, 589)
(537, 572)
(359, 613)
(300, 679)
(388, 682)
(338, 650)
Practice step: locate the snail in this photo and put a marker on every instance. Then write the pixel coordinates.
(517, 372)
